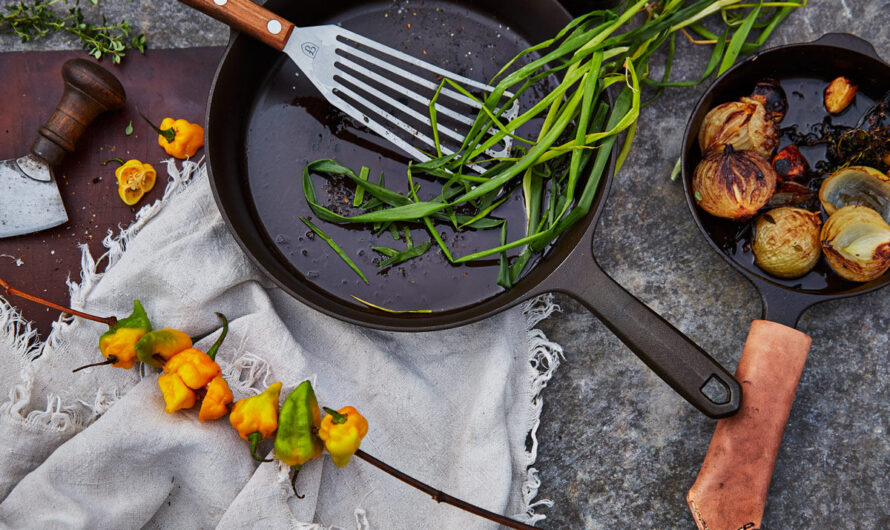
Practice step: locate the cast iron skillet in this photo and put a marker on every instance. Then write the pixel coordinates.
(811, 66)
(248, 142)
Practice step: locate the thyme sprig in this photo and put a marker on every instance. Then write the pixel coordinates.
(34, 20)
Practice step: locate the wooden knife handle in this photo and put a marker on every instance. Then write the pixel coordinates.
(730, 491)
(247, 17)
(89, 91)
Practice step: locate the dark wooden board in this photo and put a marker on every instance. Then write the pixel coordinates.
(160, 83)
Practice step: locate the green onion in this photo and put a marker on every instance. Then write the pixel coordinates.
(559, 171)
(738, 39)
(360, 192)
(396, 257)
(336, 248)
(369, 304)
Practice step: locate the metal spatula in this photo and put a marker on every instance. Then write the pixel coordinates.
(368, 81)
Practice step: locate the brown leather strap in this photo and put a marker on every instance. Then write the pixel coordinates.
(730, 491)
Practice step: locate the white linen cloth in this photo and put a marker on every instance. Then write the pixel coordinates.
(95, 449)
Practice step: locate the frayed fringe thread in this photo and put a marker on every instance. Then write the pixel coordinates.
(117, 244)
(361, 520)
(17, 334)
(54, 417)
(544, 358)
(244, 372)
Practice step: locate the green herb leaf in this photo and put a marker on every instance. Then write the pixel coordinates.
(32, 20)
(129, 130)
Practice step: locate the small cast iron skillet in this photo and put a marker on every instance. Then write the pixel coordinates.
(257, 144)
(805, 69)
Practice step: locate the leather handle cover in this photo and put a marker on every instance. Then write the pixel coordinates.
(730, 491)
(247, 17)
(89, 91)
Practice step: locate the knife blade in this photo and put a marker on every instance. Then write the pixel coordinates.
(29, 196)
(28, 203)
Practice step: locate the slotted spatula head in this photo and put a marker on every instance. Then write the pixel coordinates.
(390, 91)
(386, 90)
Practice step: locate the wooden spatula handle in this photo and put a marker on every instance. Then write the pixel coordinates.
(247, 17)
(89, 91)
(730, 491)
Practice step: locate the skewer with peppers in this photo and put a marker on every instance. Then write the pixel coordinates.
(190, 375)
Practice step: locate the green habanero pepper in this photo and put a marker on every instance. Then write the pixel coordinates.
(297, 441)
(118, 344)
(158, 346)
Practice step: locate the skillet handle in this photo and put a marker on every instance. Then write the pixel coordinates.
(731, 488)
(688, 369)
(850, 42)
(674, 357)
(247, 17)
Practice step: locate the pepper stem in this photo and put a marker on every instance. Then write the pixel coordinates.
(118, 160)
(255, 438)
(225, 330)
(111, 360)
(109, 321)
(293, 481)
(168, 134)
(440, 496)
(337, 417)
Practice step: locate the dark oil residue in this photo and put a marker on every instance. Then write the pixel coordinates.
(806, 116)
(292, 125)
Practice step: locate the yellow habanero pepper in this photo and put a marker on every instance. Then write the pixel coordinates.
(256, 418)
(134, 179)
(177, 395)
(188, 370)
(185, 140)
(216, 401)
(179, 138)
(194, 367)
(342, 432)
(118, 344)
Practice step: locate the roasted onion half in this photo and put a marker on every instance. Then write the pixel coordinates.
(743, 124)
(786, 242)
(856, 242)
(853, 185)
(733, 184)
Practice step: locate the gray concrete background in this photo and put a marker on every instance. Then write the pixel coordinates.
(617, 448)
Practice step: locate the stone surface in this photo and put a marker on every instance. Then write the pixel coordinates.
(618, 448)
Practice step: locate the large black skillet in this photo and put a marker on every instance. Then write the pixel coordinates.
(804, 70)
(255, 164)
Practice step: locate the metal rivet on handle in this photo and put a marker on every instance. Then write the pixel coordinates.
(220, 2)
(273, 26)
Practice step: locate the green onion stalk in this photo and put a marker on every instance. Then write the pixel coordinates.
(559, 171)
